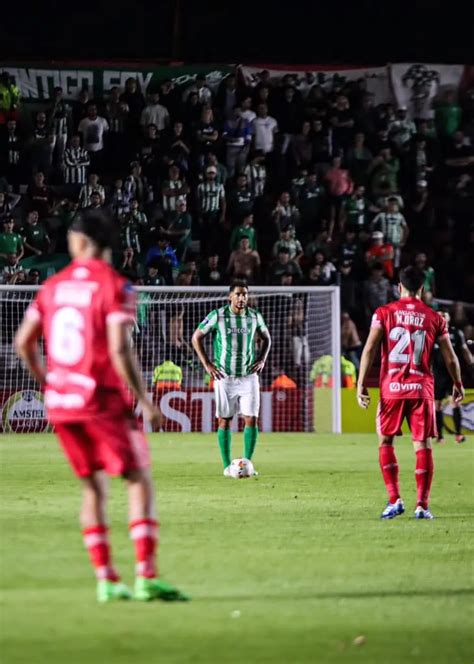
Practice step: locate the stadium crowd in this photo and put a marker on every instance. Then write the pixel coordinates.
(283, 183)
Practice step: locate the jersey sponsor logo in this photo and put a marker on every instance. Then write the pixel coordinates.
(73, 293)
(409, 318)
(236, 330)
(404, 387)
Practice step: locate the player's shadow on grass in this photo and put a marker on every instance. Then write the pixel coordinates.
(365, 594)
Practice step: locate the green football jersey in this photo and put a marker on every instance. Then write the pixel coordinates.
(233, 338)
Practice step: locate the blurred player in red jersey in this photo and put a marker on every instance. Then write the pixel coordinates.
(407, 330)
(84, 314)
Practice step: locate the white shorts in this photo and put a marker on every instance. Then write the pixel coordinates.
(237, 395)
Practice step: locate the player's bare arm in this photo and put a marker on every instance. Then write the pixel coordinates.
(210, 367)
(125, 363)
(258, 366)
(368, 356)
(452, 365)
(26, 344)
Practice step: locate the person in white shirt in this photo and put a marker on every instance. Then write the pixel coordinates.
(200, 88)
(93, 128)
(247, 112)
(265, 127)
(155, 113)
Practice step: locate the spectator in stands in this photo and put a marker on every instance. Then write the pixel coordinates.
(356, 212)
(176, 147)
(93, 129)
(244, 262)
(302, 145)
(394, 228)
(136, 184)
(342, 121)
(199, 87)
(211, 160)
(35, 236)
(60, 119)
(256, 173)
(161, 250)
(350, 247)
(244, 229)
(351, 344)
(173, 189)
(421, 262)
(117, 112)
(349, 286)
(211, 209)
(247, 112)
(155, 113)
(289, 115)
(448, 115)
(207, 134)
(153, 277)
(376, 291)
(380, 253)
(178, 230)
(7, 202)
(237, 137)
(283, 265)
(240, 200)
(11, 152)
(119, 199)
(11, 243)
(288, 240)
(402, 130)
(148, 153)
(79, 108)
(227, 96)
(383, 172)
(285, 213)
(211, 272)
(169, 97)
(76, 163)
(340, 186)
(133, 98)
(40, 196)
(328, 269)
(358, 159)
(93, 185)
(41, 145)
(311, 203)
(12, 272)
(95, 202)
(264, 129)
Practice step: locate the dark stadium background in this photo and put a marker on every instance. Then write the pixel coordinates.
(354, 31)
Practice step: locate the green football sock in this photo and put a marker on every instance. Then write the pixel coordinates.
(250, 440)
(224, 438)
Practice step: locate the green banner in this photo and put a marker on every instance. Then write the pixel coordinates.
(36, 81)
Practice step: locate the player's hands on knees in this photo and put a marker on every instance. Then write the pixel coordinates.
(257, 367)
(458, 393)
(213, 371)
(152, 413)
(363, 397)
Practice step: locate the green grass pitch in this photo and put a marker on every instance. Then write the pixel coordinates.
(290, 567)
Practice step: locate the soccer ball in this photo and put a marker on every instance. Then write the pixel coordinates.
(241, 468)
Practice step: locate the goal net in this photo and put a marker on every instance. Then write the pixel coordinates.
(300, 385)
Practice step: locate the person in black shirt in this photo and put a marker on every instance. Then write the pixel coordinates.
(443, 385)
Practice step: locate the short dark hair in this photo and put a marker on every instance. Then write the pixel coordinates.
(97, 227)
(238, 283)
(412, 278)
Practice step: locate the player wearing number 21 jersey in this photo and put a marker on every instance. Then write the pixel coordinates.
(235, 367)
(407, 331)
(84, 314)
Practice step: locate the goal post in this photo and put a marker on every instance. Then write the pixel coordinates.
(300, 385)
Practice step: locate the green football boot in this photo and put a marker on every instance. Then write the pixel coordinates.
(112, 591)
(147, 590)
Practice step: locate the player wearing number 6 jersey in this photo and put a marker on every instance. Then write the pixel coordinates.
(407, 331)
(235, 367)
(84, 314)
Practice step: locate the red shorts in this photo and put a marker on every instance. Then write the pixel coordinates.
(110, 443)
(419, 413)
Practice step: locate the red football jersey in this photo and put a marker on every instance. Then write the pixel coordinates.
(410, 330)
(74, 308)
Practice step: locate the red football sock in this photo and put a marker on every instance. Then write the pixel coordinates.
(144, 533)
(424, 476)
(389, 468)
(96, 541)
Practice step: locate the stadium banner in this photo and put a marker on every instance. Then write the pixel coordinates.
(324, 75)
(184, 410)
(357, 420)
(36, 81)
(415, 85)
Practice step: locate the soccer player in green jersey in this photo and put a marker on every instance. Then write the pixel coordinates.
(235, 367)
